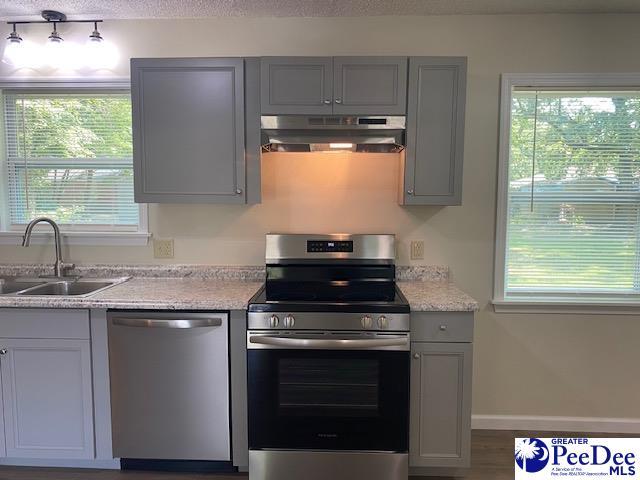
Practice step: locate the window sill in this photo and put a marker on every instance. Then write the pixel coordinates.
(81, 238)
(570, 306)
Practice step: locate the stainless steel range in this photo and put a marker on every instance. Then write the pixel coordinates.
(328, 361)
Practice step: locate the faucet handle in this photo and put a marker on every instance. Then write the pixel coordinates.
(67, 266)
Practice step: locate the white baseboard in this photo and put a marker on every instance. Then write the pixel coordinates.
(38, 462)
(561, 424)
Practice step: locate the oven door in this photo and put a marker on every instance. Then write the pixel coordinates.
(328, 391)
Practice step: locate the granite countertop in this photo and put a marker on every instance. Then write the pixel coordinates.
(153, 293)
(182, 287)
(436, 296)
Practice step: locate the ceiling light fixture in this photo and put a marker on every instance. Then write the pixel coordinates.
(55, 53)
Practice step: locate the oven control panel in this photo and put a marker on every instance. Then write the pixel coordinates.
(329, 246)
(396, 322)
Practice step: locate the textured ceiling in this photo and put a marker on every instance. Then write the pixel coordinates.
(26, 9)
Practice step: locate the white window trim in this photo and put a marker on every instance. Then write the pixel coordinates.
(533, 304)
(71, 237)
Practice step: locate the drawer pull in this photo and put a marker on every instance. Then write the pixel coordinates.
(443, 328)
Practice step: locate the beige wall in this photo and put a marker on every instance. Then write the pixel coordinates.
(566, 365)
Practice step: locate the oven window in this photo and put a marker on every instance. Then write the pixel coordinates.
(328, 387)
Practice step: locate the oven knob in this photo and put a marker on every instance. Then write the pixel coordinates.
(366, 321)
(383, 322)
(289, 321)
(274, 321)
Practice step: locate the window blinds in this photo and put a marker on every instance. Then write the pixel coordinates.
(69, 157)
(573, 223)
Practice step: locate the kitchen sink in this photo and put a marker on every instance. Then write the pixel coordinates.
(13, 285)
(66, 288)
(69, 287)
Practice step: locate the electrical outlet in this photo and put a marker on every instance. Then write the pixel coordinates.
(417, 250)
(163, 248)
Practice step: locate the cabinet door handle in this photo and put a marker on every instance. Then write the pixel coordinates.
(416, 356)
(3, 351)
(338, 100)
(410, 192)
(327, 102)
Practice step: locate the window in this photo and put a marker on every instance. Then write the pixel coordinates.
(569, 202)
(68, 156)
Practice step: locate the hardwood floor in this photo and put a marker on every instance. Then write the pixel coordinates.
(491, 459)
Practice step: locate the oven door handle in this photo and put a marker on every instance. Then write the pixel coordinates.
(329, 344)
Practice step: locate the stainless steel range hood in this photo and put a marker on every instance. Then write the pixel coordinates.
(296, 133)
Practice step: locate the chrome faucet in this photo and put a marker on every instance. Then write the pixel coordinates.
(59, 267)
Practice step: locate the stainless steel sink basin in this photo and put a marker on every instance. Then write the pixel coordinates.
(13, 285)
(53, 286)
(68, 288)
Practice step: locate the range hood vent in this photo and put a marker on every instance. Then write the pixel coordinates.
(295, 133)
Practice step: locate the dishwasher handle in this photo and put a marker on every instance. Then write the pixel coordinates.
(167, 322)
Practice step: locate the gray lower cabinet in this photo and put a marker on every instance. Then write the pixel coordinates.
(188, 130)
(47, 400)
(440, 404)
(333, 85)
(435, 131)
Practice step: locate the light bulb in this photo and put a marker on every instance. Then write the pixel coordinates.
(341, 146)
(14, 50)
(98, 53)
(55, 51)
(95, 36)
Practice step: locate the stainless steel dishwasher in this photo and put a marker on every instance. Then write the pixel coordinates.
(169, 385)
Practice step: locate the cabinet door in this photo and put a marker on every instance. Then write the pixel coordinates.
(3, 450)
(47, 399)
(435, 131)
(296, 85)
(440, 426)
(188, 130)
(370, 85)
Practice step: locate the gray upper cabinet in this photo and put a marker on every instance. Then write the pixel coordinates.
(370, 85)
(333, 85)
(188, 130)
(435, 131)
(296, 85)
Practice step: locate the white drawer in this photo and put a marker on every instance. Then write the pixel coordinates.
(44, 323)
(441, 326)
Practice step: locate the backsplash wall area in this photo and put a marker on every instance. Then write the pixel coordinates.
(525, 365)
(301, 192)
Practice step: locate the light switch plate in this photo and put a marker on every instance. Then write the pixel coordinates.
(417, 250)
(163, 248)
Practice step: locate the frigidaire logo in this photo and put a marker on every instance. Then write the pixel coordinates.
(532, 454)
